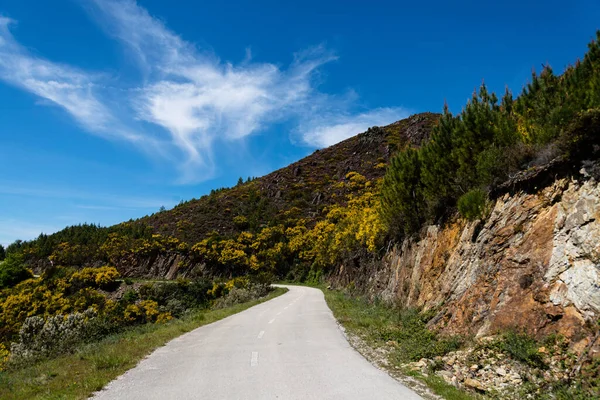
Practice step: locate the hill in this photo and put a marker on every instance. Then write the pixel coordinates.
(301, 194)
(305, 187)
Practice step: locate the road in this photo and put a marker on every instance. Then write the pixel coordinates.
(287, 348)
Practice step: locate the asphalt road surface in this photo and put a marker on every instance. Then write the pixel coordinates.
(287, 348)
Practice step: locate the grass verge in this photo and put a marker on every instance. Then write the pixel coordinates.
(403, 335)
(92, 366)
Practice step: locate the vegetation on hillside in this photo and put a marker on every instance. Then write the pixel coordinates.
(343, 203)
(333, 206)
(261, 222)
(50, 315)
(555, 118)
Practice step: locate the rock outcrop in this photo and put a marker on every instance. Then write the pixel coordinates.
(533, 264)
(167, 265)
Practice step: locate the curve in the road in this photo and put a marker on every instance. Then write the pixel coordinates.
(287, 348)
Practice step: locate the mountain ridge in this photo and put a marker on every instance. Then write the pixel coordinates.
(301, 191)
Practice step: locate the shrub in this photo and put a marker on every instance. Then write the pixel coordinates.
(4, 356)
(130, 296)
(58, 334)
(141, 312)
(241, 295)
(473, 204)
(415, 340)
(240, 221)
(12, 271)
(521, 347)
(175, 307)
(217, 290)
(191, 294)
(103, 277)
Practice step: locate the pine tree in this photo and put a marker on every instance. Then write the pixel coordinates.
(438, 167)
(473, 133)
(401, 195)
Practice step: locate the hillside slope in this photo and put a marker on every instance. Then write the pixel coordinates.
(162, 245)
(306, 186)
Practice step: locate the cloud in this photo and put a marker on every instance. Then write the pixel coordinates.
(324, 131)
(65, 86)
(197, 98)
(187, 100)
(62, 85)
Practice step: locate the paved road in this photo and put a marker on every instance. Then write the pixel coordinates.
(287, 348)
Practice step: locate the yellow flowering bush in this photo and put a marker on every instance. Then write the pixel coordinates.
(141, 312)
(95, 277)
(163, 318)
(217, 290)
(4, 356)
(106, 276)
(241, 282)
(233, 253)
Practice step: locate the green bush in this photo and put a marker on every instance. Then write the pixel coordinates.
(12, 271)
(242, 295)
(521, 347)
(402, 206)
(130, 296)
(415, 340)
(191, 294)
(473, 204)
(58, 334)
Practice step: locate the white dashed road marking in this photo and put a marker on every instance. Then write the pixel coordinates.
(261, 334)
(271, 321)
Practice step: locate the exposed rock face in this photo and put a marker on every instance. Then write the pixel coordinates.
(534, 263)
(162, 265)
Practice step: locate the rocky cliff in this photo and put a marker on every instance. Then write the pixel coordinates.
(534, 263)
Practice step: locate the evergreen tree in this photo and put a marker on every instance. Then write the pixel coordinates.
(12, 271)
(402, 194)
(438, 167)
(2, 253)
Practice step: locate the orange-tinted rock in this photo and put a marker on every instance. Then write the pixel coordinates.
(534, 264)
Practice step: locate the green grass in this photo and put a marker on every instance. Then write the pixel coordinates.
(379, 325)
(441, 388)
(92, 366)
(522, 347)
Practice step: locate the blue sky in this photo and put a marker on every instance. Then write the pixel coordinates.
(111, 108)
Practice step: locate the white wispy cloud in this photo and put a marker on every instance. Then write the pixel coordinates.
(326, 130)
(195, 99)
(198, 98)
(65, 86)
